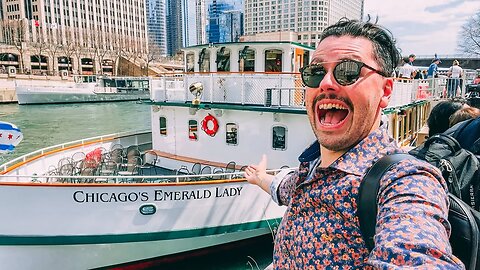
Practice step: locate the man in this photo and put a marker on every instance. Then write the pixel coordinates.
(348, 85)
(433, 68)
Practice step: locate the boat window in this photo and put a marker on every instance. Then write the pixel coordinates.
(246, 59)
(190, 62)
(273, 60)
(232, 133)
(306, 58)
(163, 125)
(204, 60)
(223, 59)
(192, 130)
(279, 138)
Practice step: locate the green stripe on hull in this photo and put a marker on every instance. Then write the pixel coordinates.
(6, 240)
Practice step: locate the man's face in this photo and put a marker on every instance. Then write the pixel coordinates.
(341, 116)
(411, 59)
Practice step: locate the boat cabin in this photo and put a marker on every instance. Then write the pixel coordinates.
(247, 57)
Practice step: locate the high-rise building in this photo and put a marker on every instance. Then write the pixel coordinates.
(307, 18)
(157, 16)
(201, 21)
(215, 9)
(174, 26)
(231, 26)
(85, 36)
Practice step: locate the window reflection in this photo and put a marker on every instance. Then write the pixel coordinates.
(279, 138)
(190, 62)
(223, 59)
(232, 133)
(163, 126)
(273, 60)
(246, 59)
(192, 130)
(204, 60)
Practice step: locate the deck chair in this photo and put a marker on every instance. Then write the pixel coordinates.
(183, 171)
(206, 170)
(196, 168)
(66, 170)
(149, 165)
(63, 161)
(230, 168)
(132, 150)
(130, 168)
(116, 146)
(87, 171)
(116, 155)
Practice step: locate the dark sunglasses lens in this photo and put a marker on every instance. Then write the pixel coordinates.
(313, 75)
(347, 72)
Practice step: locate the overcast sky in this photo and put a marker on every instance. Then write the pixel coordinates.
(424, 27)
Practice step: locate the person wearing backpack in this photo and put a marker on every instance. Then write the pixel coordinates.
(348, 84)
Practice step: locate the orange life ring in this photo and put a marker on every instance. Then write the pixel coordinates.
(210, 131)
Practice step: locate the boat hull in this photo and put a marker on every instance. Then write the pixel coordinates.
(46, 95)
(88, 226)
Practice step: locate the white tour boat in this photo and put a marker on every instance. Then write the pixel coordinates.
(83, 89)
(127, 199)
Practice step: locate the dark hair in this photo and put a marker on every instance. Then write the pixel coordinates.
(385, 53)
(438, 120)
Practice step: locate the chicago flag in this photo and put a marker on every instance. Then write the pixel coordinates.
(10, 136)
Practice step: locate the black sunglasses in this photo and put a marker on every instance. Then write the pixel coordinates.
(346, 72)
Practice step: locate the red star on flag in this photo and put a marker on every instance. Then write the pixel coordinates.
(10, 136)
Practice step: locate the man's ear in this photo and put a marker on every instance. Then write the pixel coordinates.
(387, 92)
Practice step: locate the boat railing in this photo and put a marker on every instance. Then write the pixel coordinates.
(52, 149)
(273, 89)
(48, 178)
(234, 88)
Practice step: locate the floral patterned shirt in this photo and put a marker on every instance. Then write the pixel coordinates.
(320, 228)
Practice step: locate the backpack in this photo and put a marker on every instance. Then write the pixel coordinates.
(460, 167)
(467, 133)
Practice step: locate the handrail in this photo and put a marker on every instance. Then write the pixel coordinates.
(42, 151)
(178, 178)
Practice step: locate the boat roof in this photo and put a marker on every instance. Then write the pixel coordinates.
(251, 43)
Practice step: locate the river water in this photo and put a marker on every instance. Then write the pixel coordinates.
(47, 125)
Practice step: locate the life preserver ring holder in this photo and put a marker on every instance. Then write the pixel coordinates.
(210, 131)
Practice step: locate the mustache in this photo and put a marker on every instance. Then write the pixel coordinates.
(331, 96)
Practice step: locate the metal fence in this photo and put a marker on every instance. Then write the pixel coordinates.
(284, 90)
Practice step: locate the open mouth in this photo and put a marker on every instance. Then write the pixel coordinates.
(331, 114)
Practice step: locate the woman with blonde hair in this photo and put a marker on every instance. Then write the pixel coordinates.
(454, 74)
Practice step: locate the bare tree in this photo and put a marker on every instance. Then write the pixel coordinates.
(39, 45)
(77, 48)
(153, 54)
(130, 53)
(469, 36)
(118, 49)
(14, 33)
(54, 45)
(68, 46)
(100, 48)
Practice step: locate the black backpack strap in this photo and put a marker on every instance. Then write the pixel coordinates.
(367, 195)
